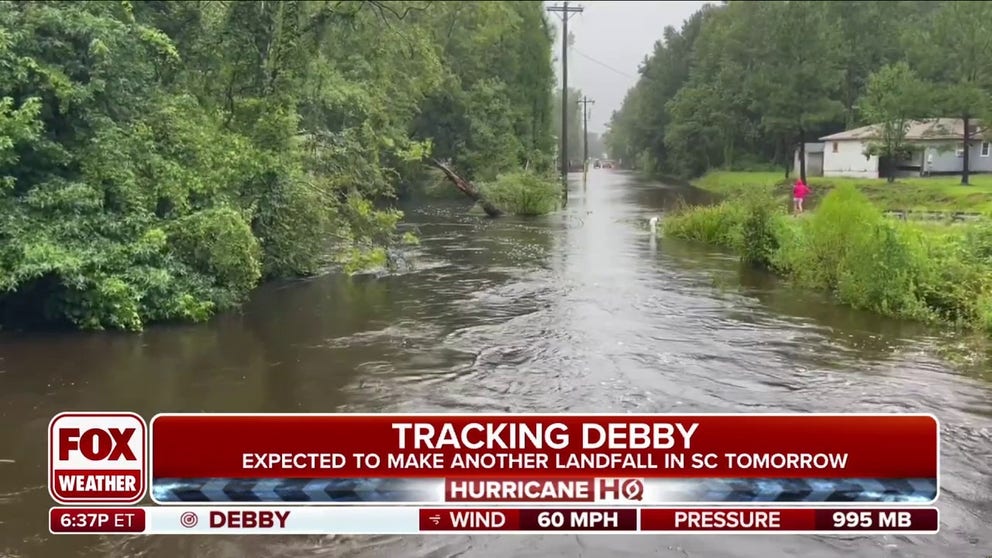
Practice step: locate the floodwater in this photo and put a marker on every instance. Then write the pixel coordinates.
(582, 311)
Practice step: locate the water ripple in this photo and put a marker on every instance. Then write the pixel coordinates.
(579, 312)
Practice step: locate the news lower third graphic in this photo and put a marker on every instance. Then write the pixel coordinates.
(405, 520)
(408, 474)
(362, 490)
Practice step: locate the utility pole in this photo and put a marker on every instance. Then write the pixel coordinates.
(585, 102)
(565, 12)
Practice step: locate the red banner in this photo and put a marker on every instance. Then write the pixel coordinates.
(515, 446)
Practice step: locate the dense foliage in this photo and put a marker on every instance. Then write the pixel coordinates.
(846, 246)
(741, 84)
(158, 159)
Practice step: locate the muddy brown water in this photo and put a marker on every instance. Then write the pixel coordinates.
(582, 311)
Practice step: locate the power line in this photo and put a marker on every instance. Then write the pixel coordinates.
(603, 64)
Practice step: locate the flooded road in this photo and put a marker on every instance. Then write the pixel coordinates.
(583, 311)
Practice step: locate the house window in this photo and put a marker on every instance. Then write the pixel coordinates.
(835, 147)
(960, 151)
(986, 148)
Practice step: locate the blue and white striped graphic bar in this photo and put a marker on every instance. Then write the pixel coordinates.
(393, 490)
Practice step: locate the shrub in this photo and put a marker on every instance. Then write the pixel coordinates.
(848, 247)
(106, 302)
(880, 271)
(523, 193)
(843, 220)
(978, 243)
(793, 245)
(219, 243)
(957, 282)
(758, 240)
(717, 224)
(293, 221)
(357, 260)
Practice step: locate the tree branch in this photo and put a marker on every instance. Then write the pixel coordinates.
(383, 6)
(467, 188)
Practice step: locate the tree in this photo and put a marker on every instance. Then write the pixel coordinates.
(638, 129)
(871, 34)
(797, 71)
(713, 116)
(493, 110)
(956, 52)
(744, 83)
(895, 96)
(158, 159)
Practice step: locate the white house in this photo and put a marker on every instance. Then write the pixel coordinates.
(937, 148)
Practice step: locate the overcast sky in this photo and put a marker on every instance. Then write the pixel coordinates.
(617, 35)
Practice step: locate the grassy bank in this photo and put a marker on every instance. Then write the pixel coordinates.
(934, 274)
(938, 194)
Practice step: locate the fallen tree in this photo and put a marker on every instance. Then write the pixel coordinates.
(468, 189)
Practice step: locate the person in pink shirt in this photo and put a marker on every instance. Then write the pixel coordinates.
(799, 193)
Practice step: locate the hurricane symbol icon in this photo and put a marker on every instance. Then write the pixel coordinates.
(188, 519)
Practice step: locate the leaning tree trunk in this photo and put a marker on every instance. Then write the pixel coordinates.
(468, 189)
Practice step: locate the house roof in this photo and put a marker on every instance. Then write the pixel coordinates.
(931, 129)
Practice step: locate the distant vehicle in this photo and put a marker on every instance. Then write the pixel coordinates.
(596, 164)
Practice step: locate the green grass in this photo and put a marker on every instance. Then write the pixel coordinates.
(937, 194)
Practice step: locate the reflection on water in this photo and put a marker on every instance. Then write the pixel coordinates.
(579, 311)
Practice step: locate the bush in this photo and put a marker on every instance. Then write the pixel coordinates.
(867, 261)
(842, 221)
(758, 241)
(358, 260)
(218, 242)
(523, 193)
(880, 271)
(951, 283)
(293, 222)
(717, 224)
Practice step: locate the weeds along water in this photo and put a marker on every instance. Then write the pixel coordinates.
(923, 271)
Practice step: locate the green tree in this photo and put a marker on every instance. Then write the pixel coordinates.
(638, 129)
(956, 53)
(743, 83)
(714, 115)
(871, 36)
(492, 111)
(796, 71)
(895, 96)
(158, 159)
